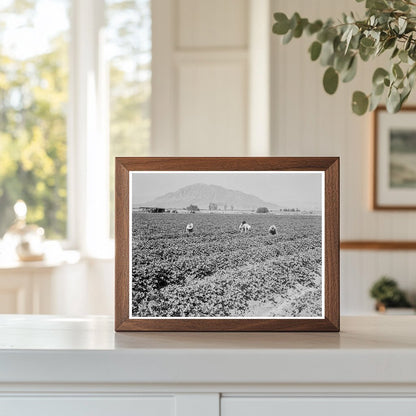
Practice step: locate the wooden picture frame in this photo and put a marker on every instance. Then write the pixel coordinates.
(394, 184)
(131, 172)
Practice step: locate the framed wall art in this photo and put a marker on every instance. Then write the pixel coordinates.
(227, 244)
(394, 160)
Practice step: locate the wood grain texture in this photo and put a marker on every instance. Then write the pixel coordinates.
(332, 226)
(329, 165)
(376, 204)
(378, 245)
(121, 244)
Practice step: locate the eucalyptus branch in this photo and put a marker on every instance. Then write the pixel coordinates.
(389, 25)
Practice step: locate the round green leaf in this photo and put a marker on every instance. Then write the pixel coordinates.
(374, 102)
(403, 97)
(367, 42)
(359, 103)
(294, 20)
(322, 36)
(395, 52)
(366, 53)
(342, 61)
(389, 43)
(281, 27)
(315, 50)
(288, 37)
(327, 54)
(330, 80)
(403, 55)
(314, 27)
(351, 71)
(397, 71)
(378, 90)
(376, 4)
(379, 75)
(393, 101)
(298, 30)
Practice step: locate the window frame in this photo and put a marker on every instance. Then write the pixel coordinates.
(87, 128)
(87, 133)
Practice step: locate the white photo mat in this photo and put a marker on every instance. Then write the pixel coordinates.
(213, 173)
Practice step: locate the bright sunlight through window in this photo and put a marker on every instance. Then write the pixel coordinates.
(33, 101)
(36, 108)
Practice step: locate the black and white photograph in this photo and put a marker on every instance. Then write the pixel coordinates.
(226, 244)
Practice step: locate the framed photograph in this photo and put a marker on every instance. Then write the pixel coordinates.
(227, 244)
(394, 180)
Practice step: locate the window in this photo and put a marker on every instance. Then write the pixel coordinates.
(129, 43)
(75, 87)
(33, 102)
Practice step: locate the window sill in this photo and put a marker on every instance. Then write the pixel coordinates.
(51, 261)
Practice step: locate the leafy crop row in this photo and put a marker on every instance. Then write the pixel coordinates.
(218, 271)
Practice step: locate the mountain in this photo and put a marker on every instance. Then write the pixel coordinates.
(202, 195)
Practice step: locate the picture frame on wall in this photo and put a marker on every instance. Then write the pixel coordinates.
(227, 244)
(394, 159)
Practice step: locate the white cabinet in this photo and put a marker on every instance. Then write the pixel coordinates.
(203, 405)
(270, 406)
(80, 366)
(88, 406)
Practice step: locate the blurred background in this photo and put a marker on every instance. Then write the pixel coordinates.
(83, 81)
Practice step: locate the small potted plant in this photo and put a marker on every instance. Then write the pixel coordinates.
(387, 294)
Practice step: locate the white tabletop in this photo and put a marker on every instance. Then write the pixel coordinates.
(373, 349)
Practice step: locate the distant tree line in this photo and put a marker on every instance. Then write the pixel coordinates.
(262, 210)
(192, 208)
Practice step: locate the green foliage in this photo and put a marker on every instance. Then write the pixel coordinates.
(387, 292)
(34, 105)
(359, 103)
(282, 25)
(315, 50)
(33, 100)
(388, 27)
(330, 80)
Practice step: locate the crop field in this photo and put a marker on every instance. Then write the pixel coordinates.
(218, 271)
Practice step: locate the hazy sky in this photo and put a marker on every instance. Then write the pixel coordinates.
(301, 189)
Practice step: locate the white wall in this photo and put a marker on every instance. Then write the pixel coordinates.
(202, 84)
(223, 77)
(211, 92)
(308, 122)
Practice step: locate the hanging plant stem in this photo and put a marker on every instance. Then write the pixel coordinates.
(389, 26)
